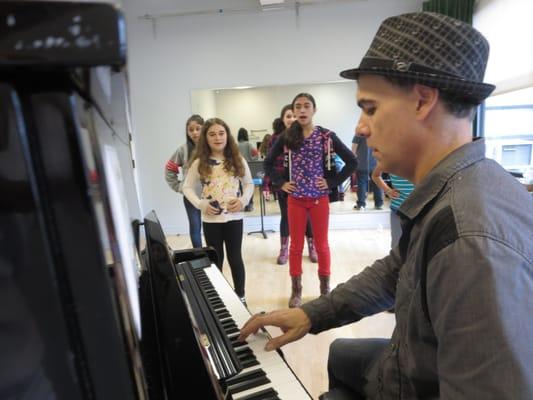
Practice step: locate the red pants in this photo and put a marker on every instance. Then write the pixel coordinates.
(318, 211)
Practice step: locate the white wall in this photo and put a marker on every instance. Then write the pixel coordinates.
(507, 25)
(203, 102)
(208, 51)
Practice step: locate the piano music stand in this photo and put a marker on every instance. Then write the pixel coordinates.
(256, 169)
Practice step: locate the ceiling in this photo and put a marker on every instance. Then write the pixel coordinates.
(176, 8)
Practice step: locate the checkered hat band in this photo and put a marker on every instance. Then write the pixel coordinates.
(401, 66)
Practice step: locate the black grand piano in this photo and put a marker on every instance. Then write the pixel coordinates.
(90, 308)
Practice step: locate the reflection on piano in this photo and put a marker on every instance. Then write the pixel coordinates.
(195, 324)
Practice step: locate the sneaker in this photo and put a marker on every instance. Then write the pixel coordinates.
(379, 207)
(359, 208)
(243, 301)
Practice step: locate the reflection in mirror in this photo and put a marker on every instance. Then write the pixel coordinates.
(255, 108)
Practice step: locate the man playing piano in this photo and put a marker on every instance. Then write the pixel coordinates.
(461, 279)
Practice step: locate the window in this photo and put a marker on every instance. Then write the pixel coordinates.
(507, 125)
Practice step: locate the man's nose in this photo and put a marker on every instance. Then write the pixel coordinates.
(362, 128)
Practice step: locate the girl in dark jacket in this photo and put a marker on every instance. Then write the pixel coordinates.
(309, 178)
(280, 125)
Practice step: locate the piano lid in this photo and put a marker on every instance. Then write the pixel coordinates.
(61, 34)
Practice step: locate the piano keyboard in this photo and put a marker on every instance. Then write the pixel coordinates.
(265, 375)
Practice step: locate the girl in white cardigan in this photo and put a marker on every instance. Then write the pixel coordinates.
(226, 188)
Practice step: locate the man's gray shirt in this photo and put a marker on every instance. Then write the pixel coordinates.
(461, 282)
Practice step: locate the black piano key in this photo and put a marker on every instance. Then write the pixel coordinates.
(246, 356)
(222, 314)
(248, 384)
(261, 395)
(231, 330)
(249, 363)
(237, 343)
(243, 351)
(229, 323)
(244, 376)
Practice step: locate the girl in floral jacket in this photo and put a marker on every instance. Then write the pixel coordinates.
(226, 188)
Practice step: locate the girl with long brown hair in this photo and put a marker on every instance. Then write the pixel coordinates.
(310, 179)
(226, 188)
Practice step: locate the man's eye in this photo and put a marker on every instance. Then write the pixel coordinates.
(370, 110)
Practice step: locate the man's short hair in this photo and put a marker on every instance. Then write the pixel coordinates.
(454, 104)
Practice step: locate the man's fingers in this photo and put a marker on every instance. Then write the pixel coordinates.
(277, 342)
(250, 326)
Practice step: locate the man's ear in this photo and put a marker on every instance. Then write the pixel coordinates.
(427, 98)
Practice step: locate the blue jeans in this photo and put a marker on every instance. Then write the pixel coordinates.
(349, 361)
(362, 189)
(395, 228)
(195, 223)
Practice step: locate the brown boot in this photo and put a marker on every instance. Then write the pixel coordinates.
(283, 251)
(296, 294)
(324, 284)
(312, 251)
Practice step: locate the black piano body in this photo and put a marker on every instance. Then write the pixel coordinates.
(171, 346)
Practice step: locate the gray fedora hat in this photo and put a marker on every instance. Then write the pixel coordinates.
(431, 49)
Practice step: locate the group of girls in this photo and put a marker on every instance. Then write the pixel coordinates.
(217, 184)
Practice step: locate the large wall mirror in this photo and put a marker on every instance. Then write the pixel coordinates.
(255, 108)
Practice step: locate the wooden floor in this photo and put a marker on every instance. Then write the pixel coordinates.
(268, 288)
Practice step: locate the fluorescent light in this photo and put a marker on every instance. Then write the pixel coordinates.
(269, 2)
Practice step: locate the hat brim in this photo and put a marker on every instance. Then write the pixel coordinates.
(466, 91)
